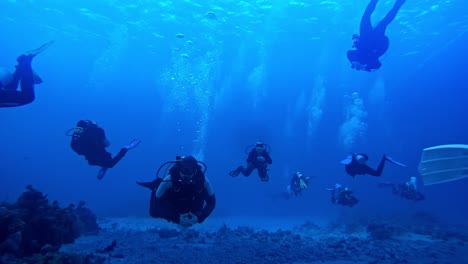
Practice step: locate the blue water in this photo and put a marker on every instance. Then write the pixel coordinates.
(274, 71)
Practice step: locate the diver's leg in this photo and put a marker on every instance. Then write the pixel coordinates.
(247, 171)
(24, 74)
(10, 98)
(263, 173)
(381, 165)
(379, 170)
(106, 160)
(26, 77)
(236, 172)
(420, 196)
(382, 26)
(153, 210)
(118, 157)
(366, 24)
(13, 85)
(162, 209)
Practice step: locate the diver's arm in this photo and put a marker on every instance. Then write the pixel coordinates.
(165, 185)
(268, 158)
(251, 158)
(210, 200)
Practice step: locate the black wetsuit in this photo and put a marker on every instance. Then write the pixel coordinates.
(9, 95)
(101, 157)
(343, 197)
(253, 163)
(92, 144)
(355, 168)
(182, 198)
(372, 42)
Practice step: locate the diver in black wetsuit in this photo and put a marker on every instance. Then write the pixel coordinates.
(355, 164)
(343, 196)
(258, 158)
(407, 190)
(10, 96)
(89, 140)
(372, 42)
(184, 196)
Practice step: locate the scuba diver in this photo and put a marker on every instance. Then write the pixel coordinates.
(342, 196)
(299, 182)
(372, 42)
(355, 164)
(24, 75)
(407, 190)
(89, 140)
(258, 158)
(184, 196)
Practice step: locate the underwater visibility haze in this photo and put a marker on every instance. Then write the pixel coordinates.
(210, 78)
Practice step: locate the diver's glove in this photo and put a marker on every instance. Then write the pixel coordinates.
(261, 159)
(188, 219)
(132, 144)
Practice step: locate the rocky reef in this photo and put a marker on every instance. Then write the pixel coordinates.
(378, 241)
(32, 229)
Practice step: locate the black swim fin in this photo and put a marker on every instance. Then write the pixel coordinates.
(394, 161)
(152, 185)
(38, 50)
(101, 173)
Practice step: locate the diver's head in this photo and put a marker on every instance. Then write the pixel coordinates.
(259, 147)
(188, 167)
(361, 159)
(299, 174)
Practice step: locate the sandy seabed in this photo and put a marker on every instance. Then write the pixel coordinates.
(244, 240)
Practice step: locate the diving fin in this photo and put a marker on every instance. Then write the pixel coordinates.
(101, 173)
(347, 160)
(444, 163)
(152, 185)
(395, 162)
(38, 50)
